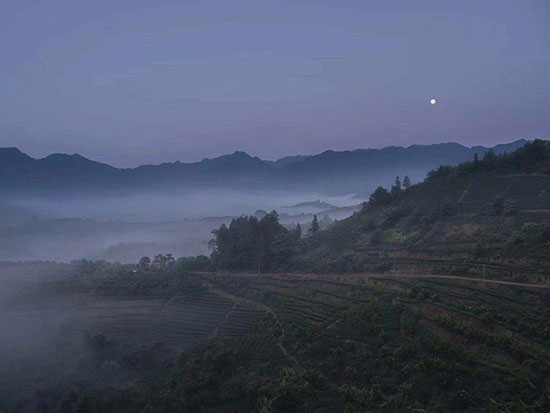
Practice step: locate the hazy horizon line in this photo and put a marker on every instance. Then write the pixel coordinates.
(212, 157)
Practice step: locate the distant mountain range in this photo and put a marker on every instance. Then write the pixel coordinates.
(329, 173)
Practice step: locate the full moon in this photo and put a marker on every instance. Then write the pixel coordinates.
(433, 101)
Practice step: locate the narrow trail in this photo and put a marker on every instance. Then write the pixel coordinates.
(225, 318)
(162, 311)
(457, 277)
(367, 276)
(240, 300)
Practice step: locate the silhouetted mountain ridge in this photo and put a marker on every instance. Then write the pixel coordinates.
(330, 172)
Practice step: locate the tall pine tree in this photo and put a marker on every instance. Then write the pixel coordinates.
(314, 228)
(396, 187)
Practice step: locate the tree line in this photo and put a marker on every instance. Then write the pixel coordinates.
(260, 243)
(381, 196)
(249, 243)
(534, 156)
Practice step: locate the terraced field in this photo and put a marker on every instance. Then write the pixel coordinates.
(190, 318)
(260, 311)
(528, 191)
(361, 340)
(489, 326)
(177, 322)
(123, 319)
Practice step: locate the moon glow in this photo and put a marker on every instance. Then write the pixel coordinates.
(433, 101)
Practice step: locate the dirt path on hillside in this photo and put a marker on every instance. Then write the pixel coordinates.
(257, 304)
(456, 277)
(367, 276)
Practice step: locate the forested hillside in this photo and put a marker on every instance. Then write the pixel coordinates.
(433, 297)
(486, 217)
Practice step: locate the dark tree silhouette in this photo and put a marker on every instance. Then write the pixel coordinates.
(380, 197)
(144, 262)
(396, 187)
(251, 244)
(406, 182)
(314, 228)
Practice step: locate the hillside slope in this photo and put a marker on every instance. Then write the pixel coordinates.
(279, 343)
(488, 217)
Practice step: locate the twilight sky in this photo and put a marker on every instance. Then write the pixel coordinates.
(132, 81)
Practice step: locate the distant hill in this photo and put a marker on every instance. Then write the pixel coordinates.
(327, 173)
(287, 160)
(310, 207)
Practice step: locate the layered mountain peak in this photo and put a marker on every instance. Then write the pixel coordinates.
(13, 154)
(329, 173)
(75, 158)
(13, 158)
(237, 159)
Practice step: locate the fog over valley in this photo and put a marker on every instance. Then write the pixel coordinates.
(66, 207)
(129, 227)
(275, 206)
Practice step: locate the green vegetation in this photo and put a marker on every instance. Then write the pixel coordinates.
(314, 228)
(280, 343)
(233, 333)
(531, 158)
(484, 218)
(252, 244)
